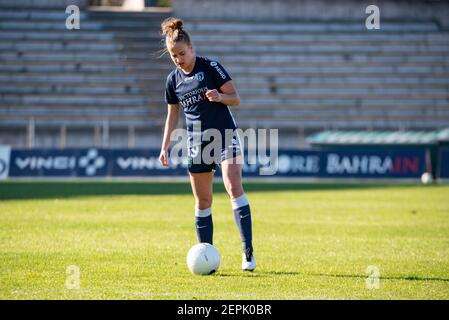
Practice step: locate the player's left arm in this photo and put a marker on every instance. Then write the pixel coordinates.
(228, 94)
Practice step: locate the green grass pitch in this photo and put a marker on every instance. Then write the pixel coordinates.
(129, 240)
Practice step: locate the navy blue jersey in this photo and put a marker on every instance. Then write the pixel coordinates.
(189, 91)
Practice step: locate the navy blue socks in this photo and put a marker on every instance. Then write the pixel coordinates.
(203, 225)
(242, 216)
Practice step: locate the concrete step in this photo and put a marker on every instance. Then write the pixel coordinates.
(151, 64)
(318, 56)
(330, 58)
(302, 116)
(301, 48)
(328, 70)
(32, 14)
(56, 68)
(150, 60)
(67, 78)
(279, 63)
(249, 109)
(56, 16)
(346, 79)
(129, 24)
(326, 92)
(307, 37)
(150, 87)
(83, 46)
(300, 68)
(440, 62)
(82, 122)
(312, 103)
(64, 56)
(89, 13)
(56, 35)
(86, 123)
(61, 112)
(118, 13)
(242, 80)
(335, 114)
(299, 115)
(81, 77)
(220, 49)
(71, 57)
(204, 42)
(16, 35)
(270, 38)
(60, 46)
(303, 26)
(247, 94)
(15, 25)
(78, 68)
(310, 72)
(275, 84)
(80, 89)
(344, 124)
(84, 100)
(76, 41)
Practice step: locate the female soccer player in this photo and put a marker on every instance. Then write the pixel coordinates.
(204, 90)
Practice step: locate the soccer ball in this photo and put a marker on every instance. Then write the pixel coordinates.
(203, 258)
(426, 178)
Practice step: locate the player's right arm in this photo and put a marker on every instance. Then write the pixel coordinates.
(170, 124)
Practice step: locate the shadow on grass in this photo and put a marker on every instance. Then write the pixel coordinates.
(13, 190)
(236, 275)
(258, 274)
(405, 278)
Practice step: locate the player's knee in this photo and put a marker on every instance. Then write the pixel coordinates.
(234, 190)
(203, 202)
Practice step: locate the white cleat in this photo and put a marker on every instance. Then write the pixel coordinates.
(248, 262)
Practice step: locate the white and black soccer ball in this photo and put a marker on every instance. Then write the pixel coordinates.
(203, 259)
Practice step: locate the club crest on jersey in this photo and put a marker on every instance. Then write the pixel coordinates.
(198, 76)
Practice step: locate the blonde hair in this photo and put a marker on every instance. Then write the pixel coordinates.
(173, 31)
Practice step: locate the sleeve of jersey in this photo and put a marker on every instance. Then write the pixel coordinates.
(219, 74)
(170, 94)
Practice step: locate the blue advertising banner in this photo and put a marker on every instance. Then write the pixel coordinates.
(141, 163)
(344, 163)
(5, 155)
(58, 163)
(91, 162)
(381, 163)
(443, 161)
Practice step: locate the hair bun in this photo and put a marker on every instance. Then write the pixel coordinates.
(170, 25)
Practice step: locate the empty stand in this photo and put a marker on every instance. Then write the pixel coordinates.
(333, 75)
(79, 78)
(292, 75)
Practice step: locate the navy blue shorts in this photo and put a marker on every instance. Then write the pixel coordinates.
(200, 160)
